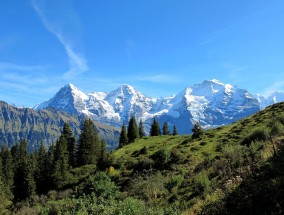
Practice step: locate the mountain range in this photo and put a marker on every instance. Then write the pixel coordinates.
(210, 103)
(17, 124)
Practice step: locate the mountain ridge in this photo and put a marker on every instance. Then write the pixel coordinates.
(210, 103)
(46, 125)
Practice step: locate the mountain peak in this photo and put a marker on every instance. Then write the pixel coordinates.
(70, 86)
(216, 81)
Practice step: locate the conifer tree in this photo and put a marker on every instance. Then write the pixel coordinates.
(42, 172)
(24, 184)
(89, 144)
(132, 131)
(155, 128)
(123, 139)
(2, 188)
(7, 170)
(102, 164)
(50, 167)
(196, 131)
(175, 132)
(165, 129)
(68, 134)
(60, 163)
(141, 129)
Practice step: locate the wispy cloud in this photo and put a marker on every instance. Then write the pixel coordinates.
(158, 78)
(276, 86)
(60, 21)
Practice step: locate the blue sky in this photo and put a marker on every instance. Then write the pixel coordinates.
(158, 46)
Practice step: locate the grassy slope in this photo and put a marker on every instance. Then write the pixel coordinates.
(204, 154)
(198, 181)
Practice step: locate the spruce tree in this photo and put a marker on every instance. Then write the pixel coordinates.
(141, 129)
(60, 162)
(24, 184)
(50, 167)
(155, 128)
(102, 164)
(68, 134)
(123, 139)
(165, 129)
(175, 132)
(196, 131)
(132, 132)
(89, 144)
(7, 170)
(42, 172)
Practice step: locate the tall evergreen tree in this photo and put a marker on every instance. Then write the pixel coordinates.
(155, 128)
(102, 164)
(7, 170)
(89, 144)
(24, 184)
(68, 134)
(196, 131)
(132, 131)
(123, 139)
(175, 132)
(165, 129)
(42, 172)
(141, 129)
(50, 167)
(60, 163)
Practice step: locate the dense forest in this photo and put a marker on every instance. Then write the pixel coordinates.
(234, 169)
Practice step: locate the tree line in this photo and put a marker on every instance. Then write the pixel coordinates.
(133, 131)
(24, 174)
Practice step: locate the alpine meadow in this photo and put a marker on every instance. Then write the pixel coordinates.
(141, 107)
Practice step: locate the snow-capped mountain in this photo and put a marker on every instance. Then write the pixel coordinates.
(273, 98)
(211, 103)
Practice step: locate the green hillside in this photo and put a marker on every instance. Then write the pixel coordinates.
(234, 169)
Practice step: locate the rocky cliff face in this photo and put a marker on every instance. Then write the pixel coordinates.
(45, 125)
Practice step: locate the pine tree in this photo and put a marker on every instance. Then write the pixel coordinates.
(60, 163)
(123, 139)
(155, 128)
(141, 129)
(68, 134)
(102, 164)
(196, 131)
(132, 132)
(7, 170)
(165, 129)
(2, 189)
(89, 144)
(175, 132)
(42, 172)
(50, 167)
(24, 184)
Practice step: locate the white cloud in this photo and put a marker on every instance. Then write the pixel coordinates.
(77, 62)
(159, 78)
(277, 86)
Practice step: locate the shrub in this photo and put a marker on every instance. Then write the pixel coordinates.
(174, 182)
(258, 134)
(144, 163)
(201, 183)
(101, 185)
(176, 156)
(161, 158)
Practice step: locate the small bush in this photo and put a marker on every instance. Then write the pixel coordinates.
(174, 182)
(258, 134)
(161, 158)
(144, 164)
(101, 185)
